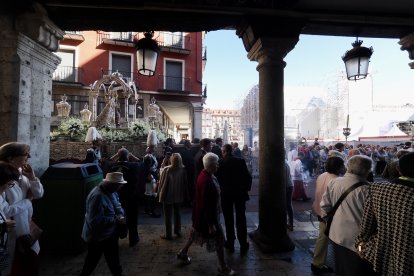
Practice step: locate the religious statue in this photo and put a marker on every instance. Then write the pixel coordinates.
(107, 116)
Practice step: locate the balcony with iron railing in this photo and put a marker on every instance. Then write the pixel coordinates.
(116, 38)
(74, 35)
(126, 76)
(174, 84)
(73, 32)
(68, 74)
(170, 42)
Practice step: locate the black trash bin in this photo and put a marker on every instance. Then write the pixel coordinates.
(61, 211)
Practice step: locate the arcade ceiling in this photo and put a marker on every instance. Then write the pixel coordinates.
(380, 18)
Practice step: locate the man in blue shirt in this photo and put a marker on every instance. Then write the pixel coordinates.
(103, 214)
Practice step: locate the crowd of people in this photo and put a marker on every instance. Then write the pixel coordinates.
(362, 201)
(213, 179)
(217, 178)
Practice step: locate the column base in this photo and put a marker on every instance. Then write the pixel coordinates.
(277, 244)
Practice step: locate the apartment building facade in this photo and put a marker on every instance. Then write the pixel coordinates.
(222, 123)
(176, 87)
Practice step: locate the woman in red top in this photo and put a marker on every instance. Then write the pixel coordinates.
(206, 215)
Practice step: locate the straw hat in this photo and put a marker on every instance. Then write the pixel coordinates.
(114, 177)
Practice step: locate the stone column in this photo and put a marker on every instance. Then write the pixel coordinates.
(26, 67)
(197, 121)
(407, 44)
(269, 51)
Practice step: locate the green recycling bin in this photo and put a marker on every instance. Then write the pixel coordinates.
(61, 211)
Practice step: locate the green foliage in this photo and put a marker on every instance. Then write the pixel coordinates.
(160, 135)
(77, 129)
(139, 128)
(54, 134)
(116, 134)
(73, 127)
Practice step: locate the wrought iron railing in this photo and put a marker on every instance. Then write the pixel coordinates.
(170, 40)
(123, 36)
(174, 84)
(73, 32)
(68, 74)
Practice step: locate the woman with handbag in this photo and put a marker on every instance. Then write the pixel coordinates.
(172, 193)
(334, 167)
(17, 205)
(344, 202)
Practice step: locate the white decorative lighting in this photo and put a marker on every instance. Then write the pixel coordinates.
(357, 61)
(147, 54)
(63, 107)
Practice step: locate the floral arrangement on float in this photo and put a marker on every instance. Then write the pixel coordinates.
(75, 129)
(72, 128)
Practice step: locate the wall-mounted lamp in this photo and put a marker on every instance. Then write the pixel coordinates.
(147, 54)
(204, 95)
(357, 61)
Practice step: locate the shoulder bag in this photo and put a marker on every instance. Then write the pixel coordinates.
(4, 251)
(330, 215)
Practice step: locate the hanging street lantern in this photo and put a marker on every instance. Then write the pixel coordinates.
(147, 54)
(357, 61)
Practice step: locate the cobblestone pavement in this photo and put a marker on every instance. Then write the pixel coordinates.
(154, 256)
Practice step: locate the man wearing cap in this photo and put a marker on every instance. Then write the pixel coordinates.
(103, 214)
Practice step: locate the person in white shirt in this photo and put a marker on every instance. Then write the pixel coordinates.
(28, 187)
(296, 170)
(9, 175)
(292, 153)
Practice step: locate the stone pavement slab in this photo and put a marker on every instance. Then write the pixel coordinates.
(154, 256)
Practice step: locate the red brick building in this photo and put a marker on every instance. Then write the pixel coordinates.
(176, 85)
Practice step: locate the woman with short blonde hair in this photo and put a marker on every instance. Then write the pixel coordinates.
(172, 193)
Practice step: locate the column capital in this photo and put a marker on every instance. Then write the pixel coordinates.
(269, 44)
(271, 49)
(39, 27)
(407, 44)
(197, 106)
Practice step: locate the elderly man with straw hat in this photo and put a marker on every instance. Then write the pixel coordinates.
(103, 215)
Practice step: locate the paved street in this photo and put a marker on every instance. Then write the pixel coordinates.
(154, 256)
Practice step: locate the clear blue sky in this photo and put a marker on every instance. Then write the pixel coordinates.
(229, 74)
